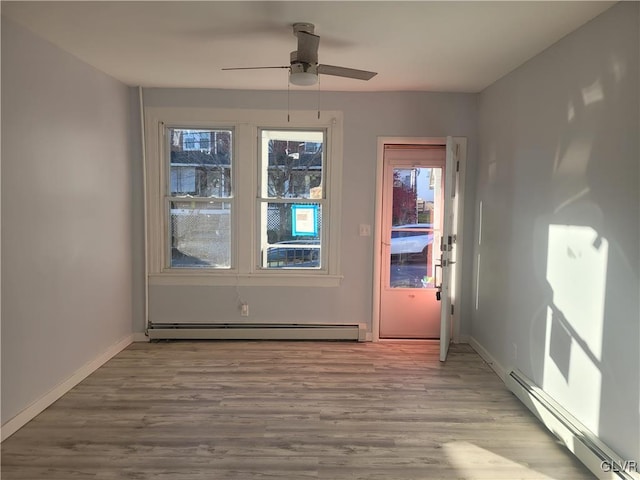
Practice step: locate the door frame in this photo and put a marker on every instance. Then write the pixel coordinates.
(377, 247)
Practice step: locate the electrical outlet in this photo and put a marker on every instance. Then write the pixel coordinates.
(244, 309)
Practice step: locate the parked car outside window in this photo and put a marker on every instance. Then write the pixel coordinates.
(411, 241)
(294, 254)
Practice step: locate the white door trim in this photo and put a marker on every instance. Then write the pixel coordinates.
(377, 238)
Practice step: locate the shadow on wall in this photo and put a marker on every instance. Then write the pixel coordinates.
(584, 333)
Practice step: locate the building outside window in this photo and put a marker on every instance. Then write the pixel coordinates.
(196, 140)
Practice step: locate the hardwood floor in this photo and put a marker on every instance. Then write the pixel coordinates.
(288, 410)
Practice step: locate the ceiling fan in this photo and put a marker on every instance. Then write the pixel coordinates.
(304, 67)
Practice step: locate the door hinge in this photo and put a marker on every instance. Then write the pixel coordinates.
(451, 309)
(457, 165)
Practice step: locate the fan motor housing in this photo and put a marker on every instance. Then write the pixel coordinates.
(302, 67)
(294, 59)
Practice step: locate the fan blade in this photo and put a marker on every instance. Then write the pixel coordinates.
(308, 48)
(253, 68)
(346, 72)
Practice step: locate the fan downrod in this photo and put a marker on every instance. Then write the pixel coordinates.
(303, 27)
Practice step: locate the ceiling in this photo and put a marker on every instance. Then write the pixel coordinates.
(414, 46)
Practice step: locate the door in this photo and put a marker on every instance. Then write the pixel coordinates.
(412, 223)
(448, 246)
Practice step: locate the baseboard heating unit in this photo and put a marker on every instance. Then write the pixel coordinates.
(603, 462)
(256, 331)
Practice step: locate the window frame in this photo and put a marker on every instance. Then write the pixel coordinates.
(169, 197)
(263, 197)
(245, 222)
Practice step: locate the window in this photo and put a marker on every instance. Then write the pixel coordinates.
(225, 209)
(312, 147)
(200, 198)
(195, 140)
(291, 198)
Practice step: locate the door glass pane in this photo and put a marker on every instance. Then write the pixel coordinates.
(200, 234)
(200, 162)
(416, 225)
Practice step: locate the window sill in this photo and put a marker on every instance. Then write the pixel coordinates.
(294, 279)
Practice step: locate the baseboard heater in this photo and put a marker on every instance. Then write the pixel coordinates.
(603, 462)
(257, 331)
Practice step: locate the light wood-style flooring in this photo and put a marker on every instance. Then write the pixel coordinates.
(288, 410)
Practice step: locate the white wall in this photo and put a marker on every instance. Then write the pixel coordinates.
(559, 255)
(366, 116)
(66, 216)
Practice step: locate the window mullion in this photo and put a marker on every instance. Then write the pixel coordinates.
(245, 185)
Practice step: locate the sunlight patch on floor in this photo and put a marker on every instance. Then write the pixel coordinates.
(474, 462)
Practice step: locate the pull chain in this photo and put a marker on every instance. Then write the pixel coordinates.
(288, 100)
(318, 97)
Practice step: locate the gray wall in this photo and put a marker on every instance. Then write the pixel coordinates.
(66, 216)
(559, 260)
(366, 116)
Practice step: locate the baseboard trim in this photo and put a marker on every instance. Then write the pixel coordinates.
(602, 461)
(140, 337)
(37, 407)
(488, 358)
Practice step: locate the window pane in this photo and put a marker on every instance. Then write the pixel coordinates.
(292, 164)
(200, 234)
(291, 234)
(200, 162)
